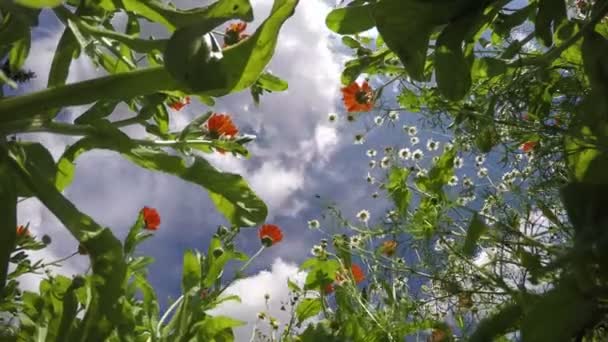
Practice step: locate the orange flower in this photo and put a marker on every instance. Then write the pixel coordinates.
(528, 146)
(220, 125)
(270, 234)
(178, 105)
(234, 33)
(388, 248)
(22, 231)
(329, 288)
(358, 98)
(438, 336)
(151, 218)
(358, 274)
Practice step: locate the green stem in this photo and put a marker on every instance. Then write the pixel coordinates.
(251, 259)
(113, 87)
(166, 314)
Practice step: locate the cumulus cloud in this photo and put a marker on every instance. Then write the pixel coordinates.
(251, 290)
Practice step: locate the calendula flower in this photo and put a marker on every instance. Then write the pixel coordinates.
(357, 273)
(22, 231)
(528, 146)
(358, 98)
(221, 125)
(178, 105)
(388, 247)
(270, 234)
(234, 33)
(363, 216)
(151, 218)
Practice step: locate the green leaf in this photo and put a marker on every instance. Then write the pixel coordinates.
(69, 310)
(39, 3)
(559, 315)
(350, 42)
(271, 82)
(498, 324)
(191, 273)
(351, 19)
(406, 27)
(488, 67)
(320, 272)
(208, 329)
(505, 23)
(38, 157)
(99, 110)
(476, 229)
(307, 308)
(8, 212)
(397, 188)
(240, 65)
(104, 249)
(550, 15)
(66, 50)
(439, 175)
(149, 296)
(19, 52)
(131, 239)
(452, 70)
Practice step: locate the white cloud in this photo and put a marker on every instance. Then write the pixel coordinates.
(251, 290)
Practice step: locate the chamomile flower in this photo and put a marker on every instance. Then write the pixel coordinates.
(316, 250)
(448, 147)
(393, 115)
(378, 120)
(432, 145)
(412, 130)
(372, 164)
(405, 153)
(385, 162)
(483, 172)
(314, 224)
(458, 162)
(417, 154)
(370, 179)
(502, 187)
(480, 159)
(363, 216)
(453, 181)
(355, 240)
(388, 150)
(350, 117)
(359, 139)
(435, 159)
(371, 153)
(332, 117)
(414, 140)
(467, 182)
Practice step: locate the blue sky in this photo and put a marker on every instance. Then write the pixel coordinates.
(298, 154)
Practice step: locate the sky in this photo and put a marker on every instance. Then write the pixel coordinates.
(301, 162)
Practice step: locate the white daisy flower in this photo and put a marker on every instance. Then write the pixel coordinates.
(458, 162)
(375, 195)
(480, 159)
(359, 139)
(432, 145)
(378, 120)
(435, 159)
(372, 164)
(313, 224)
(363, 216)
(417, 154)
(316, 250)
(332, 117)
(370, 179)
(393, 115)
(385, 162)
(467, 182)
(412, 130)
(388, 150)
(502, 187)
(405, 153)
(448, 147)
(414, 140)
(483, 172)
(371, 153)
(453, 181)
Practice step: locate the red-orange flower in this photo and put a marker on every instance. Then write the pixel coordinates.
(22, 231)
(178, 105)
(270, 234)
(388, 248)
(151, 218)
(438, 336)
(528, 146)
(358, 98)
(234, 33)
(329, 288)
(221, 125)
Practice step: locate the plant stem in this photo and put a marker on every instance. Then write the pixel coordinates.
(251, 259)
(166, 314)
(113, 87)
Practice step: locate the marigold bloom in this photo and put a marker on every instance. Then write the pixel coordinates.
(234, 33)
(388, 248)
(221, 125)
(178, 105)
(358, 98)
(270, 234)
(528, 146)
(22, 231)
(151, 218)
